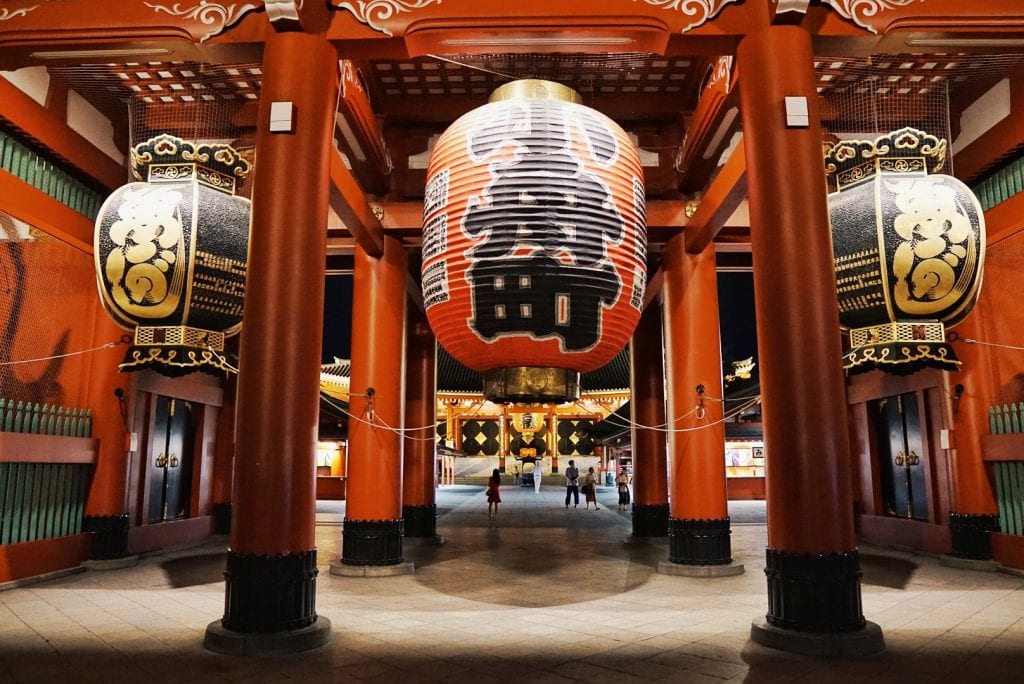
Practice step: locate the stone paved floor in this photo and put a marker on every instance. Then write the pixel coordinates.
(543, 594)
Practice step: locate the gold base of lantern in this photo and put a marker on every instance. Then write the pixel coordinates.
(900, 347)
(531, 385)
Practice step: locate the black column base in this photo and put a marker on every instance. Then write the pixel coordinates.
(812, 592)
(650, 520)
(420, 521)
(972, 535)
(222, 518)
(699, 542)
(371, 542)
(270, 593)
(109, 536)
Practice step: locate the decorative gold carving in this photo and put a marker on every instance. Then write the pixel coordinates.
(701, 10)
(902, 332)
(370, 12)
(937, 236)
(146, 269)
(168, 158)
(907, 150)
(179, 336)
(6, 14)
(859, 11)
(722, 71)
(219, 16)
(158, 356)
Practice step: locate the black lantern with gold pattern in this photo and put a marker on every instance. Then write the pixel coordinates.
(909, 248)
(171, 253)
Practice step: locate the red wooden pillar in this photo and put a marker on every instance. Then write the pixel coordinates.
(699, 520)
(812, 563)
(419, 509)
(974, 514)
(105, 514)
(271, 566)
(372, 535)
(224, 458)
(647, 402)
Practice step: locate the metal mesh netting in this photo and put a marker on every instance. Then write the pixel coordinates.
(868, 97)
(45, 286)
(194, 101)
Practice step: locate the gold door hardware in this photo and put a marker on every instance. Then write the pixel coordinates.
(913, 459)
(899, 458)
(174, 461)
(161, 461)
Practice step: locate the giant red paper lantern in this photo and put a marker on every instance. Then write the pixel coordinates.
(534, 241)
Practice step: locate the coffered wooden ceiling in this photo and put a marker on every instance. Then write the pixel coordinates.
(635, 89)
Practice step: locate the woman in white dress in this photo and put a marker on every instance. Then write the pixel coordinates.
(538, 472)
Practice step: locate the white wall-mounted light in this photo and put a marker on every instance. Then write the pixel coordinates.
(796, 112)
(282, 117)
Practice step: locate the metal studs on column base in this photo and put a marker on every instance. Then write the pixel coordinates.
(371, 548)
(109, 550)
(699, 548)
(222, 518)
(269, 606)
(814, 606)
(421, 524)
(971, 535)
(649, 520)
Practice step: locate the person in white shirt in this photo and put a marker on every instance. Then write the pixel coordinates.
(538, 472)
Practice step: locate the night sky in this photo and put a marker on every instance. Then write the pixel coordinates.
(735, 301)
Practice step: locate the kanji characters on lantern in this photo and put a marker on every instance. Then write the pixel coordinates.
(534, 238)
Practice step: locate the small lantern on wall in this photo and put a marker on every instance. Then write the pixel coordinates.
(171, 254)
(909, 248)
(534, 241)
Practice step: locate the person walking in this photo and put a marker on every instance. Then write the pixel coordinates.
(572, 484)
(622, 481)
(590, 488)
(515, 475)
(493, 494)
(538, 472)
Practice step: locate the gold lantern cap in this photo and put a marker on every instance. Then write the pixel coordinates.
(535, 89)
(531, 385)
(907, 150)
(166, 158)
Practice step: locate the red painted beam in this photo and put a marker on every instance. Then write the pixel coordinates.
(35, 120)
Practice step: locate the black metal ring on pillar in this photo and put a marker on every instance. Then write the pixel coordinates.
(109, 549)
(109, 536)
(699, 542)
(269, 606)
(222, 517)
(420, 521)
(270, 593)
(372, 542)
(814, 592)
(650, 520)
(814, 606)
(971, 535)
